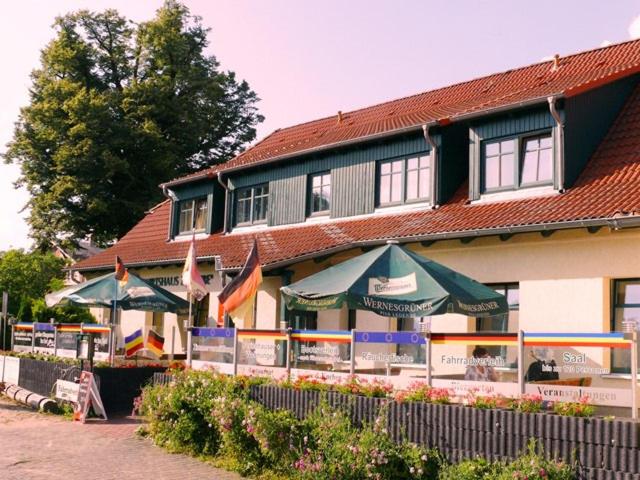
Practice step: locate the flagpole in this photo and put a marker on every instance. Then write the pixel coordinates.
(114, 316)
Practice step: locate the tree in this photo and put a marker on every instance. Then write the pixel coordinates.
(117, 108)
(28, 276)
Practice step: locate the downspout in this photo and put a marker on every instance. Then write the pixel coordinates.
(171, 196)
(560, 124)
(434, 165)
(226, 198)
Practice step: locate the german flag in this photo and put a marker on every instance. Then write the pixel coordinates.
(155, 343)
(122, 274)
(238, 297)
(133, 343)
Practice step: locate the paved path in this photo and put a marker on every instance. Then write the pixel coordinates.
(44, 447)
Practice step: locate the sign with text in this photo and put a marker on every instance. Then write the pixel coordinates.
(68, 391)
(212, 344)
(88, 397)
(45, 337)
(262, 347)
(22, 338)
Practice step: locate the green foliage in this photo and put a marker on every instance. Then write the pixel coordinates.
(253, 440)
(477, 469)
(179, 414)
(43, 357)
(65, 314)
(534, 466)
(530, 466)
(28, 276)
(117, 108)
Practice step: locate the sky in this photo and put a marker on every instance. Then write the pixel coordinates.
(308, 59)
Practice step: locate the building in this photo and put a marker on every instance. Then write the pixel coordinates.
(527, 180)
(83, 250)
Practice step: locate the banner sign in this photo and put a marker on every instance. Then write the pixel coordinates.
(45, 337)
(213, 345)
(212, 332)
(607, 340)
(612, 397)
(399, 338)
(23, 337)
(466, 387)
(331, 336)
(499, 339)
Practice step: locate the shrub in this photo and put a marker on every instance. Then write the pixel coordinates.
(533, 466)
(179, 415)
(476, 469)
(334, 448)
(235, 419)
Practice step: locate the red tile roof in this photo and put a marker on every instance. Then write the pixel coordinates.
(608, 187)
(575, 74)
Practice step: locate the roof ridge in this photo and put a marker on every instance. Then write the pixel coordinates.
(444, 87)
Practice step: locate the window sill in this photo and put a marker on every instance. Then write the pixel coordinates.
(318, 218)
(185, 237)
(405, 207)
(249, 228)
(519, 194)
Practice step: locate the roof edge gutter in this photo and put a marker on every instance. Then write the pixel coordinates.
(181, 181)
(154, 263)
(615, 223)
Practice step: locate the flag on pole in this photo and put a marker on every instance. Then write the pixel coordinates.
(122, 274)
(133, 343)
(155, 343)
(191, 277)
(220, 316)
(239, 295)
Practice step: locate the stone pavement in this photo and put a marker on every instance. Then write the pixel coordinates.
(44, 447)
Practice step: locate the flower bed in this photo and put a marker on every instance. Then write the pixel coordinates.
(224, 418)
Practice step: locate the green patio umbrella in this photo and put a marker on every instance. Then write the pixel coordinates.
(135, 294)
(394, 282)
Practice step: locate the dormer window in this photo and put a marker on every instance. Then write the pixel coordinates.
(319, 193)
(193, 215)
(252, 204)
(517, 162)
(404, 180)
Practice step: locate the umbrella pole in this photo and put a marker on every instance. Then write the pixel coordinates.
(114, 316)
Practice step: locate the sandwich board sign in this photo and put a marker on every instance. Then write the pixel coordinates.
(68, 391)
(88, 396)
